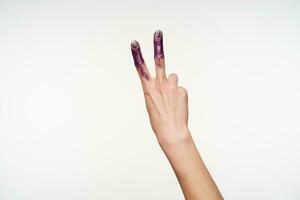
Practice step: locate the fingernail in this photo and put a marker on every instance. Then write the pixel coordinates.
(158, 44)
(136, 53)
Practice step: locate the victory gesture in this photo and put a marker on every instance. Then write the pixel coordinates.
(167, 106)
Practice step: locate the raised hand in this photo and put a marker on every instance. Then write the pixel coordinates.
(166, 103)
(167, 106)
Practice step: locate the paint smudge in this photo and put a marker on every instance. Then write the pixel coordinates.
(138, 59)
(158, 45)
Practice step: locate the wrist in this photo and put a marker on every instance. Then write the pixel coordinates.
(178, 139)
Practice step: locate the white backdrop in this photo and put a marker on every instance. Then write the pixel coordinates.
(72, 119)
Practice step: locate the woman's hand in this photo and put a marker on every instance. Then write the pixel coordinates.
(166, 103)
(167, 106)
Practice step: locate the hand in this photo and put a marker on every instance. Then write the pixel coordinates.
(167, 106)
(166, 103)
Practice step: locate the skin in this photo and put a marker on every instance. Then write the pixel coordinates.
(167, 107)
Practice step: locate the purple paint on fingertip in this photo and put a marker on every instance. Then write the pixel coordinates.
(158, 44)
(138, 59)
(137, 54)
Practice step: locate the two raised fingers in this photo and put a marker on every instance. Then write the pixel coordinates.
(158, 58)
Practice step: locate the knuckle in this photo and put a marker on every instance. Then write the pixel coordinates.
(150, 91)
(172, 81)
(173, 77)
(146, 93)
(172, 87)
(182, 91)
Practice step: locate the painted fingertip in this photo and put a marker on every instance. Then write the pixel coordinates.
(137, 54)
(158, 33)
(138, 59)
(158, 44)
(134, 44)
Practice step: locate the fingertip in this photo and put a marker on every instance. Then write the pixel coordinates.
(158, 33)
(158, 44)
(139, 60)
(173, 76)
(137, 54)
(173, 79)
(183, 90)
(134, 44)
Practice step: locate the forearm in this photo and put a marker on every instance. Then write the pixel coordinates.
(193, 177)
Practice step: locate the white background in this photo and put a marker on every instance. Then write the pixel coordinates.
(72, 119)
